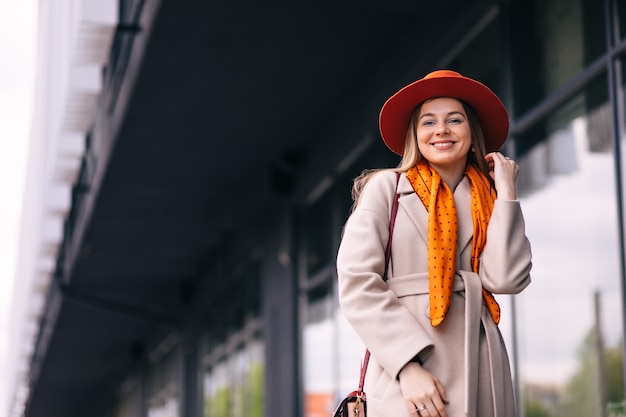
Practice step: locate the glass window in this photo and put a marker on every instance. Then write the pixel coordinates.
(217, 391)
(163, 383)
(331, 352)
(570, 339)
(234, 375)
(233, 353)
(317, 351)
(128, 399)
(551, 42)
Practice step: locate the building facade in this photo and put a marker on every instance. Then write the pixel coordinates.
(191, 172)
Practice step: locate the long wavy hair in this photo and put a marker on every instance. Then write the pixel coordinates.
(412, 155)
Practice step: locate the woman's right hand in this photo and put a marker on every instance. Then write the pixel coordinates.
(504, 172)
(422, 391)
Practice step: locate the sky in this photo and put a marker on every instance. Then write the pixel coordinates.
(17, 51)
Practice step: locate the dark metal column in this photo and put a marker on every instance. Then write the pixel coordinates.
(190, 387)
(280, 325)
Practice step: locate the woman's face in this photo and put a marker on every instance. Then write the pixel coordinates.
(443, 133)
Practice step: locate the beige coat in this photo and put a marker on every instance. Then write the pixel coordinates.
(392, 318)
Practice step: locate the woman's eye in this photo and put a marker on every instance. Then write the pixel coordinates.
(428, 122)
(454, 121)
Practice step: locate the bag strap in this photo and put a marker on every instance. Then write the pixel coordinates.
(392, 222)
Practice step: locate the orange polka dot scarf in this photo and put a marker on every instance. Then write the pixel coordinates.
(443, 233)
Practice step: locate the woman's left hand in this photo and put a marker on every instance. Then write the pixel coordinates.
(503, 171)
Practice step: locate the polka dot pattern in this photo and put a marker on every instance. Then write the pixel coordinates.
(443, 230)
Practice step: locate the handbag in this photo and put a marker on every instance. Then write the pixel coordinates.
(355, 403)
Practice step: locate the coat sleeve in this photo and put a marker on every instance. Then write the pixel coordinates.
(506, 260)
(391, 333)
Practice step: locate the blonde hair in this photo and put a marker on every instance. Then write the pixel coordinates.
(412, 155)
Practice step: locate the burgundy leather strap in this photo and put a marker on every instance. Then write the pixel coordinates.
(392, 222)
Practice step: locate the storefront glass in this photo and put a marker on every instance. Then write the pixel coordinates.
(569, 320)
(232, 353)
(163, 383)
(331, 354)
(233, 377)
(128, 398)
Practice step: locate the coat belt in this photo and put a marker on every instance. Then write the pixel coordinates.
(475, 314)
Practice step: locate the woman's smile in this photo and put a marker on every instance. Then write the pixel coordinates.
(443, 145)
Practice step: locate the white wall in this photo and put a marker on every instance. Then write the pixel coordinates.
(74, 39)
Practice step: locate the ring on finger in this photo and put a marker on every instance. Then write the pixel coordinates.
(421, 408)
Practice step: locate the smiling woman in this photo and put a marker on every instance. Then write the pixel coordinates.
(427, 313)
(17, 46)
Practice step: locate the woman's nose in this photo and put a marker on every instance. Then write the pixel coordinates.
(442, 129)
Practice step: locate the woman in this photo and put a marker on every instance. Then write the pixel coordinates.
(459, 237)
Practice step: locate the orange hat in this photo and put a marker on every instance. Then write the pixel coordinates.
(395, 115)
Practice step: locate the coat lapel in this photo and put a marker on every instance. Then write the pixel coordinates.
(413, 206)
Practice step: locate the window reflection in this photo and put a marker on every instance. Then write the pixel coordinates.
(569, 318)
(163, 383)
(233, 353)
(318, 341)
(128, 399)
(234, 377)
(331, 353)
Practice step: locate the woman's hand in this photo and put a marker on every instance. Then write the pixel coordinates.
(503, 171)
(422, 391)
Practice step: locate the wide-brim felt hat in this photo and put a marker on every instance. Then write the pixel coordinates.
(396, 113)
